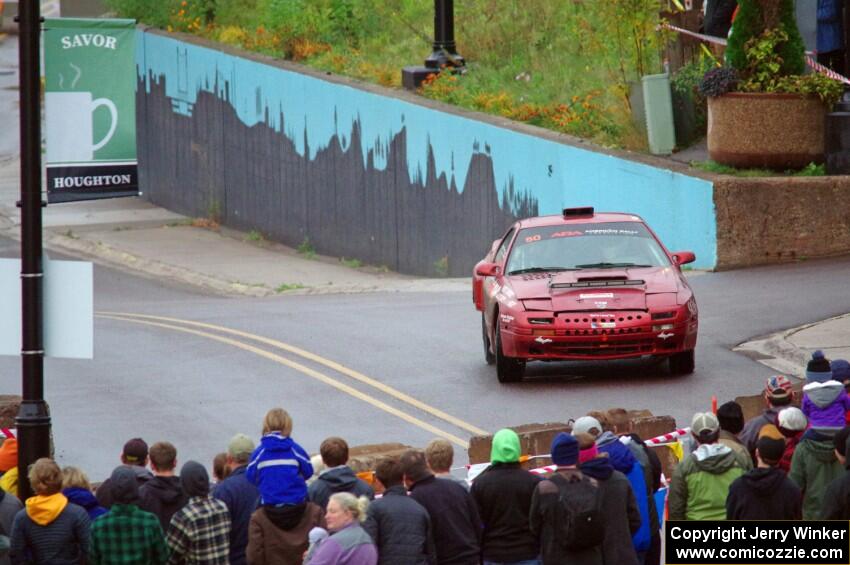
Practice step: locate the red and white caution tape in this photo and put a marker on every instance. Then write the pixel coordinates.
(8, 432)
(721, 41)
(826, 70)
(700, 36)
(669, 438)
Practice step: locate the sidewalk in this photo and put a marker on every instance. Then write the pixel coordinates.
(788, 351)
(134, 235)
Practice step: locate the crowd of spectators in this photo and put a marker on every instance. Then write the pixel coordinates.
(272, 504)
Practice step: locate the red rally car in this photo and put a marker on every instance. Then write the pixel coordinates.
(583, 286)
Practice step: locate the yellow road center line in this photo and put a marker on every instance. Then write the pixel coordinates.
(322, 361)
(307, 371)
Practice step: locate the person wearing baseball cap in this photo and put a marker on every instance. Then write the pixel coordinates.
(765, 493)
(135, 456)
(239, 495)
(778, 394)
(701, 480)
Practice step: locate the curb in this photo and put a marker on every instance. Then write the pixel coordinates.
(779, 352)
(150, 268)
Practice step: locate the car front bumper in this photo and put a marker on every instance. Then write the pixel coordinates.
(587, 340)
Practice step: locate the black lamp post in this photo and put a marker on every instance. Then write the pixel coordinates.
(33, 420)
(444, 52)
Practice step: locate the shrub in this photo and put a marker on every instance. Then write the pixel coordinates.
(718, 82)
(754, 18)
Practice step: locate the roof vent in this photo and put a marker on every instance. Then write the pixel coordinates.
(586, 212)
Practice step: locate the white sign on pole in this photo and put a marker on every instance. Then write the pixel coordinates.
(68, 308)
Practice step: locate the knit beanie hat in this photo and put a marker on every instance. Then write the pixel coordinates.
(505, 448)
(840, 370)
(123, 485)
(778, 390)
(8, 454)
(564, 450)
(818, 369)
(194, 478)
(792, 419)
(770, 444)
(587, 425)
(731, 417)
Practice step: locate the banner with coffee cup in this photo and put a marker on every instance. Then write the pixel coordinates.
(90, 108)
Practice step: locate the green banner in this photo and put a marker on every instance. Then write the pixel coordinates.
(90, 108)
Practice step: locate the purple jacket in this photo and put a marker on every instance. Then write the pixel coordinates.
(825, 404)
(349, 546)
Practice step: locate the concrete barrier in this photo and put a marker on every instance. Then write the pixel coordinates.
(535, 439)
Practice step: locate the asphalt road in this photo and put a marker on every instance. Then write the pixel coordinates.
(198, 385)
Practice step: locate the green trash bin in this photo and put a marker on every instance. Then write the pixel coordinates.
(658, 103)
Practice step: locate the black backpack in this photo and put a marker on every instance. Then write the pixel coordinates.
(578, 521)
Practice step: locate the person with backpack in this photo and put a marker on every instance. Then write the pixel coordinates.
(617, 502)
(565, 510)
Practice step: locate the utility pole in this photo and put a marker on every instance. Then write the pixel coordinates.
(33, 420)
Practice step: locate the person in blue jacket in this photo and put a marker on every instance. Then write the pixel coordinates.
(622, 460)
(830, 41)
(279, 467)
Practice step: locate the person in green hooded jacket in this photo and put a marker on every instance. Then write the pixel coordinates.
(701, 481)
(813, 467)
(503, 495)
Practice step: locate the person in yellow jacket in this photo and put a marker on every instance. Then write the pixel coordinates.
(9, 466)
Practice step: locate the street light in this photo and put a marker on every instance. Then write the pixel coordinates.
(33, 420)
(444, 53)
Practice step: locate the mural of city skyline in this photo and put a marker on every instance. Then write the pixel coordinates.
(371, 177)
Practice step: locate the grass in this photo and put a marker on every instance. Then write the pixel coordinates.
(560, 65)
(810, 170)
(71, 234)
(255, 236)
(180, 223)
(285, 287)
(306, 249)
(441, 266)
(351, 263)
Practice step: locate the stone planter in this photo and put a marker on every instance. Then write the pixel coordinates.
(776, 131)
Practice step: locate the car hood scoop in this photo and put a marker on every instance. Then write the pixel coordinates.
(607, 290)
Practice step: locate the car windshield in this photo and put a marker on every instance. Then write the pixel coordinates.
(607, 245)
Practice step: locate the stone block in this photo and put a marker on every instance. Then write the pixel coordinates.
(9, 404)
(363, 458)
(535, 439)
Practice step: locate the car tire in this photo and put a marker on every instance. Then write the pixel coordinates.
(489, 356)
(508, 369)
(682, 363)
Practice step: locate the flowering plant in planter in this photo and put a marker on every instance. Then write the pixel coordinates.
(762, 110)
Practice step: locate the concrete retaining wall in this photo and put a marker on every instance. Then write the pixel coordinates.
(376, 174)
(772, 220)
(421, 187)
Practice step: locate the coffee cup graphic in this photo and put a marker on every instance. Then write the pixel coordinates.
(70, 125)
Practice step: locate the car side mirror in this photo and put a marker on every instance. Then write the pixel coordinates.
(684, 257)
(488, 269)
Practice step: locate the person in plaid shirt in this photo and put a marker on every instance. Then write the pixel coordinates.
(199, 533)
(127, 534)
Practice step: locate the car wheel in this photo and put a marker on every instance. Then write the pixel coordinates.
(508, 369)
(682, 363)
(489, 357)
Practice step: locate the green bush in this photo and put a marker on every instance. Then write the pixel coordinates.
(754, 18)
(153, 12)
